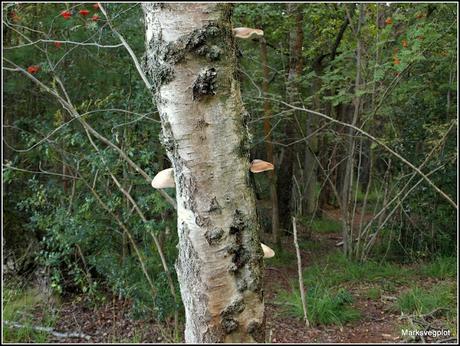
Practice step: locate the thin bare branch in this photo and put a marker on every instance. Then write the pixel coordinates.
(380, 143)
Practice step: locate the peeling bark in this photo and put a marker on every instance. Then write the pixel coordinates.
(191, 61)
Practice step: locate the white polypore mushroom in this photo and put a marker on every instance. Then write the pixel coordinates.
(163, 179)
(258, 166)
(268, 253)
(247, 33)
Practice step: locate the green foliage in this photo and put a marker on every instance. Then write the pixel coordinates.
(78, 241)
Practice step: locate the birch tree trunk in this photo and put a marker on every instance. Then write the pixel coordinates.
(192, 65)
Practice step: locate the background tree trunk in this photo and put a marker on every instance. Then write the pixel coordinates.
(191, 62)
(292, 95)
(269, 146)
(347, 186)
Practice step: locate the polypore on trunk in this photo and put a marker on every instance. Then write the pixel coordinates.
(258, 166)
(163, 179)
(268, 253)
(247, 33)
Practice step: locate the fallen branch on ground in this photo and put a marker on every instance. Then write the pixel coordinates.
(49, 330)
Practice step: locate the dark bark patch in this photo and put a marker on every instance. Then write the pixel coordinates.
(240, 258)
(245, 118)
(202, 221)
(212, 53)
(172, 53)
(238, 223)
(166, 137)
(233, 230)
(256, 330)
(205, 83)
(244, 145)
(241, 285)
(214, 235)
(160, 75)
(255, 283)
(187, 188)
(201, 124)
(229, 325)
(214, 206)
(232, 249)
(234, 308)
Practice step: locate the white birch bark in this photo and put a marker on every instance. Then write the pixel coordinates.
(191, 63)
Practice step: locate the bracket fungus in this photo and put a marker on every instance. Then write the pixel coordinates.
(268, 253)
(258, 166)
(247, 33)
(163, 179)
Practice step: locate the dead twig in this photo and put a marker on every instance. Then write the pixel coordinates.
(299, 266)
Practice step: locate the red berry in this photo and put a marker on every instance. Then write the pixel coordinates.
(84, 12)
(33, 69)
(96, 6)
(95, 18)
(57, 44)
(15, 17)
(66, 14)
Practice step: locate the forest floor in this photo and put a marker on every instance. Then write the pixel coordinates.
(378, 299)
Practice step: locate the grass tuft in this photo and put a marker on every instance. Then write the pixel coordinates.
(19, 306)
(441, 268)
(325, 306)
(338, 269)
(422, 301)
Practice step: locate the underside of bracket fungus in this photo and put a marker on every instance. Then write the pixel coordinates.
(258, 166)
(268, 253)
(163, 179)
(247, 33)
